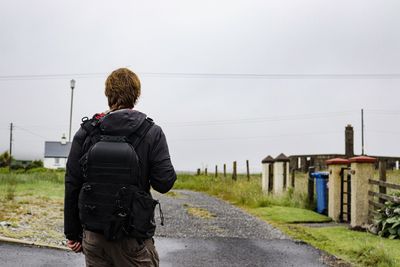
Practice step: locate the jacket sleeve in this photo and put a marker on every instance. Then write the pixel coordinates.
(162, 173)
(73, 184)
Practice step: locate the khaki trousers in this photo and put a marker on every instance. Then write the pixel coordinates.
(99, 252)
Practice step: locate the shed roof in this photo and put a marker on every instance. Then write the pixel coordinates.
(54, 149)
(268, 159)
(282, 157)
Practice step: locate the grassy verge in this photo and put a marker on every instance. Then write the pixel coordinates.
(31, 206)
(289, 211)
(240, 192)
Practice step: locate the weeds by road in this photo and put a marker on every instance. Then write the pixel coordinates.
(31, 206)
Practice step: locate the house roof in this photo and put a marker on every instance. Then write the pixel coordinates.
(54, 149)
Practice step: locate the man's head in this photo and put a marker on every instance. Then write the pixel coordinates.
(122, 89)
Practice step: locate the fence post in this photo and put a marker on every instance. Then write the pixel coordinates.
(198, 172)
(224, 170)
(266, 176)
(248, 170)
(216, 170)
(382, 177)
(310, 185)
(234, 173)
(205, 172)
(293, 177)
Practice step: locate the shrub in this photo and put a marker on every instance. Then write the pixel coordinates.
(39, 169)
(4, 170)
(5, 159)
(387, 222)
(35, 164)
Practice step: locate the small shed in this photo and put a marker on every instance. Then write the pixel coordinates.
(56, 153)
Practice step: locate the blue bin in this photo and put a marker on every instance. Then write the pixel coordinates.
(321, 179)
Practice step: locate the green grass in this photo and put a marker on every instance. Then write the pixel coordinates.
(359, 248)
(281, 214)
(33, 203)
(42, 184)
(241, 192)
(287, 211)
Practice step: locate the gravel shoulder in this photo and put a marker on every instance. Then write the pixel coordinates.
(191, 214)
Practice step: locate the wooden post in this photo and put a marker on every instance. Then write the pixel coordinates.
(310, 185)
(205, 171)
(198, 172)
(224, 170)
(248, 170)
(216, 170)
(234, 173)
(382, 177)
(293, 178)
(285, 175)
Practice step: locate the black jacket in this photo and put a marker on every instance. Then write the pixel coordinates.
(153, 153)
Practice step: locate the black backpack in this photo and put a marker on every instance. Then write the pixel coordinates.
(112, 200)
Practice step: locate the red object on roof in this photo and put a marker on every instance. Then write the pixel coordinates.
(337, 161)
(362, 159)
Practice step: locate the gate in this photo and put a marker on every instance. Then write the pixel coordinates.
(345, 195)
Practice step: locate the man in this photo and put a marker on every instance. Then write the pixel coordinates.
(122, 90)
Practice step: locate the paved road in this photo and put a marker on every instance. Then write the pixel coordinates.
(183, 252)
(229, 237)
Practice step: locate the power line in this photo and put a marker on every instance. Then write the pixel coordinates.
(383, 112)
(384, 132)
(255, 137)
(261, 119)
(205, 75)
(248, 120)
(30, 132)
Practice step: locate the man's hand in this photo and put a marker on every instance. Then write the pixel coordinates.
(74, 246)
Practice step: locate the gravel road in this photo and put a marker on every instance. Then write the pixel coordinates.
(225, 221)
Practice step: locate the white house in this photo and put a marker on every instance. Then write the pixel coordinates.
(56, 153)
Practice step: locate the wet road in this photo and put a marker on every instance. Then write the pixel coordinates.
(184, 252)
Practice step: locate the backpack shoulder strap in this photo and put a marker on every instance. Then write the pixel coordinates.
(90, 124)
(137, 136)
(92, 130)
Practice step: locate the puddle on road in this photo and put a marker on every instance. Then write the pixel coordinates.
(167, 246)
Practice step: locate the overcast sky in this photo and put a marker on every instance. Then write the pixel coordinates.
(226, 80)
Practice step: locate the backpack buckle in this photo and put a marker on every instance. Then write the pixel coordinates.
(90, 208)
(87, 188)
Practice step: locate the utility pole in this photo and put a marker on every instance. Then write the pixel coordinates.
(362, 131)
(248, 170)
(72, 83)
(11, 139)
